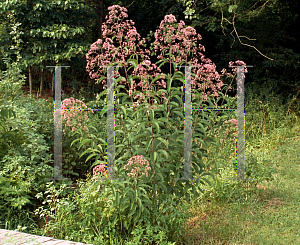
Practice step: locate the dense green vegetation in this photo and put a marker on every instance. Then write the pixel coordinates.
(83, 209)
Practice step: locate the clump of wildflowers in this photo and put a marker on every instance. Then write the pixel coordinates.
(76, 110)
(138, 166)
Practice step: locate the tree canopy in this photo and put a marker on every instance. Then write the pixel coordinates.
(262, 33)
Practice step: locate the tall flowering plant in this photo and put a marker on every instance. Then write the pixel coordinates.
(140, 129)
(174, 43)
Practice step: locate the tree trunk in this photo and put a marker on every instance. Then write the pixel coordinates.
(101, 17)
(30, 82)
(41, 84)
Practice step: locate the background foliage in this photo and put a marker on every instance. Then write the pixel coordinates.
(269, 25)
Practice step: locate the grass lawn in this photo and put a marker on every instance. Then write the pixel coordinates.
(270, 216)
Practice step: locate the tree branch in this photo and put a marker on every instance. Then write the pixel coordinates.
(234, 30)
(246, 43)
(130, 4)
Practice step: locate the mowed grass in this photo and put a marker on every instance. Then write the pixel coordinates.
(270, 215)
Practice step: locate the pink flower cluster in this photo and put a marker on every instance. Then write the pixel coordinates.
(182, 42)
(137, 165)
(100, 170)
(126, 43)
(238, 62)
(234, 121)
(75, 109)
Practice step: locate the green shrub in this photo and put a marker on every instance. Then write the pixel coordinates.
(258, 169)
(23, 172)
(25, 162)
(94, 215)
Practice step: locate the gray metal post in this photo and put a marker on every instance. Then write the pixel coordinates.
(58, 126)
(240, 123)
(110, 124)
(187, 127)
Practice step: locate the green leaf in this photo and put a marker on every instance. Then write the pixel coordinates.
(162, 119)
(232, 8)
(6, 113)
(162, 63)
(90, 156)
(148, 143)
(129, 193)
(86, 151)
(84, 142)
(121, 94)
(124, 111)
(179, 113)
(133, 63)
(138, 110)
(136, 218)
(207, 180)
(169, 85)
(140, 204)
(160, 176)
(152, 114)
(164, 141)
(153, 155)
(140, 126)
(163, 187)
(164, 152)
(204, 122)
(132, 207)
(117, 199)
(133, 140)
(157, 126)
(139, 213)
(140, 151)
